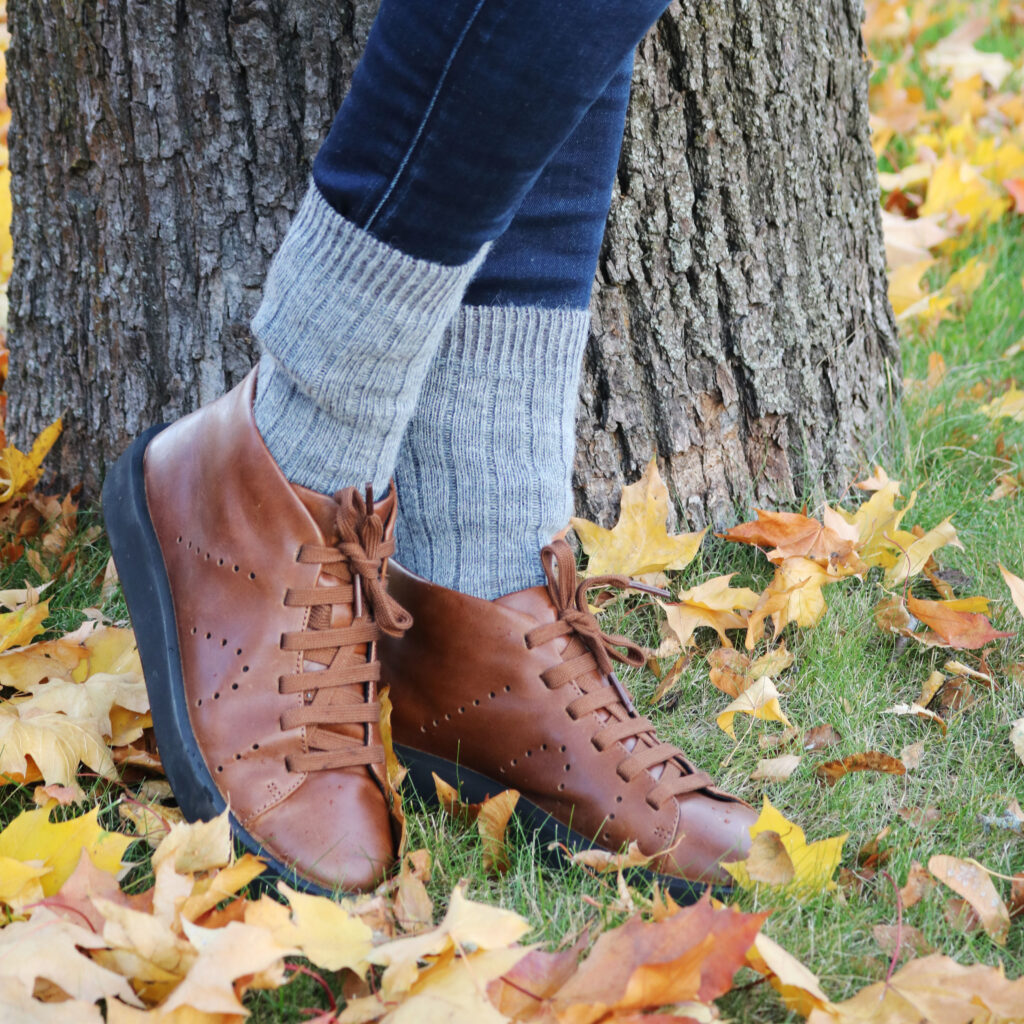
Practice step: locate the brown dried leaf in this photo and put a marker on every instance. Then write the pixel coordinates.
(821, 736)
(869, 761)
(919, 884)
(769, 861)
(413, 907)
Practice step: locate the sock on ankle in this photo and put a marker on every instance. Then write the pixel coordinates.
(348, 326)
(484, 472)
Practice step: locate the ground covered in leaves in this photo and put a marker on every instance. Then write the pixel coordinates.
(855, 669)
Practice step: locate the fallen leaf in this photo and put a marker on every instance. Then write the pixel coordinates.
(775, 769)
(712, 604)
(868, 761)
(919, 712)
(814, 864)
(971, 881)
(32, 837)
(934, 988)
(18, 471)
(911, 754)
(1009, 405)
(639, 542)
(642, 965)
(919, 883)
(768, 860)
(1017, 737)
(1016, 585)
(603, 861)
(821, 736)
(791, 534)
(491, 816)
(796, 984)
(760, 699)
(732, 671)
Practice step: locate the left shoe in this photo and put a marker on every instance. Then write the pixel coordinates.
(519, 693)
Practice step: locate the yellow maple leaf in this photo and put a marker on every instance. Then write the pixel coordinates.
(33, 837)
(905, 290)
(814, 864)
(908, 553)
(18, 471)
(20, 626)
(957, 187)
(1009, 405)
(639, 542)
(50, 746)
(713, 604)
(325, 932)
(760, 699)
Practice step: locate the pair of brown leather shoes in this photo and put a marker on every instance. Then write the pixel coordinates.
(267, 621)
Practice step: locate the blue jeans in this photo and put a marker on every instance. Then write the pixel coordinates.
(474, 121)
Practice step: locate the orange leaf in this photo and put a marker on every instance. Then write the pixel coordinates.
(869, 761)
(791, 534)
(966, 630)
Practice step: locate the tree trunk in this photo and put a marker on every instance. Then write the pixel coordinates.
(741, 326)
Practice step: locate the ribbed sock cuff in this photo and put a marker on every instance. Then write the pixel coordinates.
(485, 469)
(348, 326)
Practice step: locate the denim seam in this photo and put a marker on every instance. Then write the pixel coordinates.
(426, 116)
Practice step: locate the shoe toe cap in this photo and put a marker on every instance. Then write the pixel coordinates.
(334, 831)
(710, 831)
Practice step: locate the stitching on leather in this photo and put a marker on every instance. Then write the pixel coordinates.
(274, 798)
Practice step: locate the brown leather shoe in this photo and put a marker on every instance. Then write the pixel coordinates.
(257, 605)
(520, 693)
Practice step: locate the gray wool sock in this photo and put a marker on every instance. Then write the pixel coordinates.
(348, 326)
(485, 468)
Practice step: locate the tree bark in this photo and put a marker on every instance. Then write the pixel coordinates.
(741, 327)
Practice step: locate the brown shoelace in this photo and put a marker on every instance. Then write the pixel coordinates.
(590, 650)
(337, 709)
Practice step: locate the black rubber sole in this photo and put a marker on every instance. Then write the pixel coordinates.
(553, 836)
(140, 566)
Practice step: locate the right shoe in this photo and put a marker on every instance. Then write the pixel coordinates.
(257, 606)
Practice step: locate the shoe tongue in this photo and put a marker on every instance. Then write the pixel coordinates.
(323, 508)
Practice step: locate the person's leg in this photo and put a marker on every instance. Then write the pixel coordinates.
(505, 678)
(453, 113)
(252, 566)
(484, 470)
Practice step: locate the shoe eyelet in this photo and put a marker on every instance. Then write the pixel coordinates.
(216, 696)
(476, 703)
(508, 689)
(220, 768)
(245, 668)
(561, 787)
(252, 575)
(618, 799)
(234, 686)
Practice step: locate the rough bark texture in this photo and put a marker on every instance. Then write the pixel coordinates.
(741, 327)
